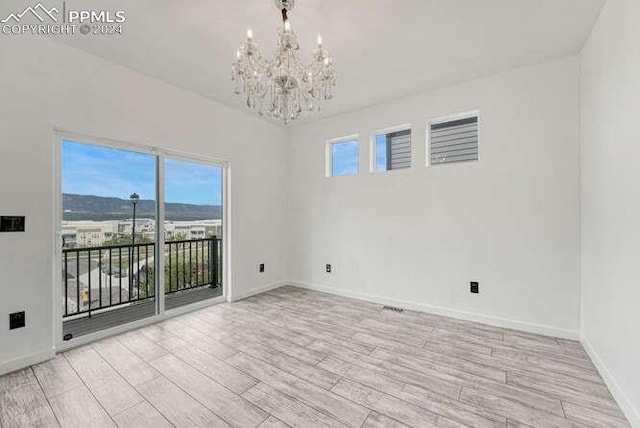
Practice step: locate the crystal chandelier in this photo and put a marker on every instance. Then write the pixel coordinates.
(284, 87)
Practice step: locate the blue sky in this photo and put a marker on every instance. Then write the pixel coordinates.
(344, 158)
(95, 170)
(381, 152)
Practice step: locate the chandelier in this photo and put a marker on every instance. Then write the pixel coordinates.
(284, 87)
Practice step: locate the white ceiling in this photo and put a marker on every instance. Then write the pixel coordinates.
(383, 49)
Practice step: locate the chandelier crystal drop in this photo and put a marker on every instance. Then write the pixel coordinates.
(284, 88)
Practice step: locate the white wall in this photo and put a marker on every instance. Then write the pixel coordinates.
(611, 201)
(45, 85)
(418, 236)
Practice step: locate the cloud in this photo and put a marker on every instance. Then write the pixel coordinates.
(104, 171)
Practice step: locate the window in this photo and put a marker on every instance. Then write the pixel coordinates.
(454, 140)
(343, 157)
(392, 150)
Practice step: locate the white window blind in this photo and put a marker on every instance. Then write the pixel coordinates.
(454, 141)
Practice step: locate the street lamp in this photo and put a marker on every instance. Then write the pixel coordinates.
(134, 200)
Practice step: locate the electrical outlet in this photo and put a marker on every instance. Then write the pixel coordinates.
(328, 268)
(16, 320)
(475, 287)
(261, 267)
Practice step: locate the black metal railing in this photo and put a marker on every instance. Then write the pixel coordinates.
(97, 278)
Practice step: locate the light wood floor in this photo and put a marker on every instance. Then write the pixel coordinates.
(292, 357)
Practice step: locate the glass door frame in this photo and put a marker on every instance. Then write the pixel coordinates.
(160, 155)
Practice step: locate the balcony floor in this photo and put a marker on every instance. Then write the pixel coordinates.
(126, 314)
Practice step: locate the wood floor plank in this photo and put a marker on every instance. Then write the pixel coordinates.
(198, 339)
(283, 347)
(309, 372)
(109, 388)
(285, 335)
(232, 408)
(395, 327)
(363, 375)
(464, 413)
(352, 344)
(513, 408)
(349, 413)
(531, 355)
(428, 400)
(456, 336)
(216, 369)
(464, 361)
(457, 348)
(156, 332)
(527, 397)
(477, 362)
(22, 401)
(470, 372)
(273, 422)
(376, 420)
(206, 324)
(526, 342)
(515, 424)
(541, 366)
(443, 378)
(131, 367)
(308, 328)
(570, 390)
(558, 384)
(78, 408)
(594, 418)
(402, 411)
(291, 411)
(404, 323)
(177, 406)
(142, 415)
(446, 385)
(140, 345)
(56, 376)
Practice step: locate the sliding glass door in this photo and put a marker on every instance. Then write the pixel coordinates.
(192, 231)
(115, 237)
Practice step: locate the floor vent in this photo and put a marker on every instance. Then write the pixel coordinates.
(392, 308)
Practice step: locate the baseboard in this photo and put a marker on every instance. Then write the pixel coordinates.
(632, 414)
(29, 360)
(467, 316)
(262, 289)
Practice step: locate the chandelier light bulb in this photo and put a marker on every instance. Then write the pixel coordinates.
(319, 40)
(249, 34)
(238, 54)
(287, 26)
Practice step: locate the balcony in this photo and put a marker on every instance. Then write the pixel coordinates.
(111, 285)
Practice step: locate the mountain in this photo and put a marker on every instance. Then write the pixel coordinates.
(89, 207)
